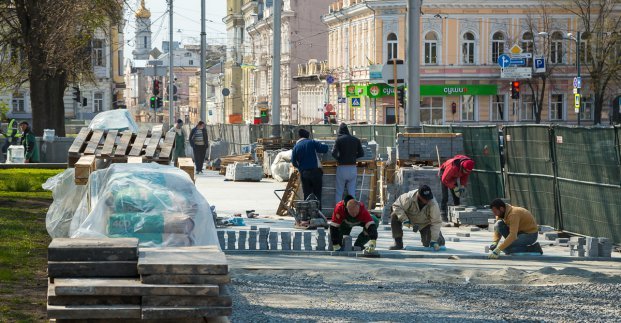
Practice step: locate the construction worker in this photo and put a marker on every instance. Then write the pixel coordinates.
(304, 158)
(519, 228)
(29, 141)
(454, 176)
(180, 136)
(347, 149)
(11, 135)
(350, 213)
(419, 211)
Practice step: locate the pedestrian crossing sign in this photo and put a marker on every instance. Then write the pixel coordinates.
(355, 102)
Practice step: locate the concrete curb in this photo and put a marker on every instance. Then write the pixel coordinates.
(398, 255)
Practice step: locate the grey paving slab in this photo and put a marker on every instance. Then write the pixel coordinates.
(94, 312)
(105, 249)
(127, 287)
(222, 300)
(184, 312)
(53, 299)
(185, 279)
(76, 269)
(182, 261)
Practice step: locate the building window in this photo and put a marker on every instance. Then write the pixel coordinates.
(18, 103)
(392, 46)
(527, 112)
(431, 110)
(527, 46)
(498, 46)
(431, 48)
(98, 102)
(557, 109)
(390, 115)
(98, 52)
(499, 107)
(586, 52)
(191, 62)
(467, 49)
(468, 108)
(556, 48)
(145, 43)
(587, 106)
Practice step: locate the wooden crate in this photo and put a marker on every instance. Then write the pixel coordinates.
(151, 145)
(187, 165)
(83, 169)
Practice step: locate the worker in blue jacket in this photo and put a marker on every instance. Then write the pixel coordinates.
(304, 158)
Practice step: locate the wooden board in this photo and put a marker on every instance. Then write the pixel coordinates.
(187, 165)
(80, 139)
(139, 143)
(154, 142)
(167, 147)
(109, 143)
(93, 143)
(83, 169)
(121, 148)
(134, 160)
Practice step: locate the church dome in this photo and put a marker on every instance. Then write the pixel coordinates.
(143, 12)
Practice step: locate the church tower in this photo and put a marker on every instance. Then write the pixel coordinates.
(142, 37)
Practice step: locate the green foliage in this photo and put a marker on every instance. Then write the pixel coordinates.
(25, 180)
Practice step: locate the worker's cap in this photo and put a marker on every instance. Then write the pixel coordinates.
(424, 191)
(303, 133)
(468, 164)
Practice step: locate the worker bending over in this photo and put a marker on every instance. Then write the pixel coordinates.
(517, 225)
(350, 213)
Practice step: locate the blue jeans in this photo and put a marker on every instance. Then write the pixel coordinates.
(345, 178)
(520, 244)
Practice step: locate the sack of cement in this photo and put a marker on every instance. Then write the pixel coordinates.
(217, 149)
(239, 171)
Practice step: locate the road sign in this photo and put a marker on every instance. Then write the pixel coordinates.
(355, 102)
(330, 79)
(226, 92)
(388, 71)
(150, 71)
(342, 100)
(375, 71)
(504, 60)
(575, 91)
(522, 55)
(516, 73)
(518, 61)
(539, 65)
(516, 49)
(577, 102)
(577, 82)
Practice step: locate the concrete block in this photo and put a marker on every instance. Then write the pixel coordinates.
(104, 249)
(285, 241)
(253, 227)
(577, 240)
(241, 242)
(252, 240)
(347, 243)
(462, 234)
(604, 247)
(94, 312)
(273, 241)
(308, 243)
(77, 269)
(221, 240)
(159, 313)
(320, 244)
(454, 239)
(552, 236)
(222, 300)
(474, 229)
(297, 240)
(592, 247)
(185, 279)
(127, 287)
(198, 260)
(231, 240)
(53, 299)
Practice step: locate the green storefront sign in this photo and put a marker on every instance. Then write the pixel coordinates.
(381, 90)
(356, 91)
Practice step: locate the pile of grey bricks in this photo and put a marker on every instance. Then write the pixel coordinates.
(424, 148)
(582, 246)
(265, 239)
(112, 279)
(240, 171)
(470, 215)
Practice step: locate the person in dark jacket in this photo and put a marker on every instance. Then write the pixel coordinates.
(347, 149)
(304, 158)
(31, 150)
(199, 143)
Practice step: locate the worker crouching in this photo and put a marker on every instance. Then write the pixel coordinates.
(350, 213)
(419, 211)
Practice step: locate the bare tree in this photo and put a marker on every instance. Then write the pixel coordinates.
(600, 22)
(47, 44)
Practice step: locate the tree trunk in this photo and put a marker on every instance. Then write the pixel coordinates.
(48, 106)
(598, 105)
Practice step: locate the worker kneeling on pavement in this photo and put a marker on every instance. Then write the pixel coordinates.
(419, 211)
(517, 225)
(350, 213)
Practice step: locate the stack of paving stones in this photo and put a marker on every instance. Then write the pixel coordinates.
(424, 148)
(577, 245)
(240, 171)
(185, 283)
(470, 215)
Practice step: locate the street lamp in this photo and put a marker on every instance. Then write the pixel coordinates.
(577, 40)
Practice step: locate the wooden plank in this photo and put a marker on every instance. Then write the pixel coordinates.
(78, 143)
(139, 143)
(83, 169)
(167, 147)
(187, 165)
(109, 143)
(93, 143)
(121, 148)
(154, 142)
(134, 160)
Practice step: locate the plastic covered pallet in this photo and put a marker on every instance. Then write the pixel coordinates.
(157, 204)
(67, 196)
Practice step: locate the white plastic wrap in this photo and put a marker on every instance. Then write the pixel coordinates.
(114, 120)
(67, 197)
(157, 204)
(281, 167)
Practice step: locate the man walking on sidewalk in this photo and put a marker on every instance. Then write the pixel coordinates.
(347, 149)
(199, 143)
(304, 158)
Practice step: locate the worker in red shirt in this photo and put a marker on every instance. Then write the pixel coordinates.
(454, 176)
(350, 213)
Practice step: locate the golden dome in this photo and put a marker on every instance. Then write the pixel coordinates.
(143, 12)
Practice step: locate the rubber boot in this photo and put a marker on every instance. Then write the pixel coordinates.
(398, 244)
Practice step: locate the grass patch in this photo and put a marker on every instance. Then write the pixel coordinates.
(25, 179)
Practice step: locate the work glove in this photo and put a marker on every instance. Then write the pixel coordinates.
(459, 191)
(493, 246)
(435, 245)
(336, 247)
(494, 254)
(407, 223)
(415, 227)
(371, 246)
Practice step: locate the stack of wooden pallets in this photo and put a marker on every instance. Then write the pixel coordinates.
(265, 144)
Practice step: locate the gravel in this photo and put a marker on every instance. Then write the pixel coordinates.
(347, 294)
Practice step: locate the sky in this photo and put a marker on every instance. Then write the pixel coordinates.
(186, 22)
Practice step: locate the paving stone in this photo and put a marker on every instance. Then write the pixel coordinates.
(463, 234)
(297, 240)
(94, 312)
(231, 240)
(273, 240)
(185, 312)
(474, 229)
(127, 287)
(285, 241)
(104, 249)
(241, 242)
(308, 237)
(252, 240)
(53, 299)
(221, 240)
(198, 260)
(185, 279)
(347, 243)
(253, 227)
(592, 247)
(222, 300)
(76, 269)
(552, 236)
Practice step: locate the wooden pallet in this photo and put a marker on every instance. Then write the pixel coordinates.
(119, 146)
(286, 202)
(227, 160)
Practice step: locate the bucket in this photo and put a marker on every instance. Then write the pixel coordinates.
(15, 155)
(49, 135)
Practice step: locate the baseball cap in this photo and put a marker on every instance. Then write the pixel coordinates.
(424, 191)
(468, 164)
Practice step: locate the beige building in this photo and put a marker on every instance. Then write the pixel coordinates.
(460, 74)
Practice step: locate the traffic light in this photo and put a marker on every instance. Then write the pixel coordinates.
(515, 90)
(152, 102)
(160, 104)
(76, 94)
(265, 118)
(156, 87)
(400, 96)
